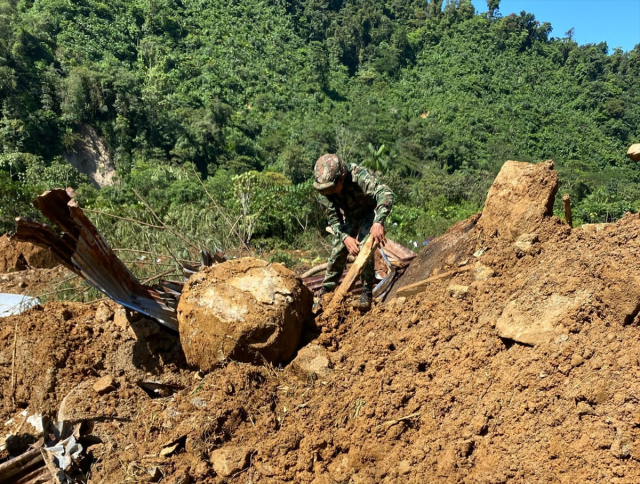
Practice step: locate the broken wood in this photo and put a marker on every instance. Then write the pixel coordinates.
(20, 464)
(366, 252)
(567, 209)
(421, 286)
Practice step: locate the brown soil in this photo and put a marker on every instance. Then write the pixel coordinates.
(419, 390)
(18, 256)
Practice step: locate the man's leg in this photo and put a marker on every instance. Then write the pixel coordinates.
(336, 263)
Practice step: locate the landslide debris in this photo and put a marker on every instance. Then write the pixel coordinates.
(430, 388)
(19, 256)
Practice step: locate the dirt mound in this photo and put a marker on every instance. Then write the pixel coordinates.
(432, 388)
(246, 310)
(19, 256)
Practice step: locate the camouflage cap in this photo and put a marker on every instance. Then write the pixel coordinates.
(327, 172)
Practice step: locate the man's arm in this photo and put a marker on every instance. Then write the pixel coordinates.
(335, 221)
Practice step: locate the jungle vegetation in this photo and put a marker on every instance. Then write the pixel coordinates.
(214, 112)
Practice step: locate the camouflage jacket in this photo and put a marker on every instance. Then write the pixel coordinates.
(361, 196)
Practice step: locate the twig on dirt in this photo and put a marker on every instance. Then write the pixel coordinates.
(165, 226)
(391, 423)
(13, 363)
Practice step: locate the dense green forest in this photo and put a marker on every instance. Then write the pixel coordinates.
(246, 95)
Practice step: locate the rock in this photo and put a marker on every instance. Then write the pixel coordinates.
(339, 470)
(120, 318)
(404, 467)
(534, 318)
(526, 244)
(104, 313)
(246, 310)
(520, 198)
(621, 446)
(227, 461)
(457, 291)
(482, 272)
(155, 473)
(479, 425)
(577, 360)
(634, 152)
(583, 408)
(312, 360)
(104, 385)
(142, 329)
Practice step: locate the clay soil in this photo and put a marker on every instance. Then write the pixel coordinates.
(421, 389)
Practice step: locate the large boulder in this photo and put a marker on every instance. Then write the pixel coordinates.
(246, 310)
(521, 196)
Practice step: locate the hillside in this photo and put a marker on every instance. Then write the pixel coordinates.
(447, 93)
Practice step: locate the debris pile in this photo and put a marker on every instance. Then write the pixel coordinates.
(512, 357)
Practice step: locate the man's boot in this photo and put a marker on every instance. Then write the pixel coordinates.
(364, 303)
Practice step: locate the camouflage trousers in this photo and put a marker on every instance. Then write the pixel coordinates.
(339, 253)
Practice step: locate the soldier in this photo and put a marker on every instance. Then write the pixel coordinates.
(356, 204)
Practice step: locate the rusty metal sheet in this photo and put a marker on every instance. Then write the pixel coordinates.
(82, 249)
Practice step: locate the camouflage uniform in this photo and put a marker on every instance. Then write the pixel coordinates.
(362, 202)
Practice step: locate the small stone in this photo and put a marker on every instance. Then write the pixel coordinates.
(104, 313)
(120, 318)
(404, 467)
(104, 385)
(458, 292)
(576, 360)
(142, 329)
(611, 337)
(156, 474)
(339, 469)
(583, 408)
(479, 425)
(525, 245)
(482, 272)
(229, 460)
(22, 284)
(312, 360)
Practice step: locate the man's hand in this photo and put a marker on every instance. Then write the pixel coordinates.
(377, 232)
(352, 245)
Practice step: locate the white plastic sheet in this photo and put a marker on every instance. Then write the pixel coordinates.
(11, 304)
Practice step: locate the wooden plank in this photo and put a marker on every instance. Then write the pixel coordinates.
(19, 463)
(421, 286)
(366, 252)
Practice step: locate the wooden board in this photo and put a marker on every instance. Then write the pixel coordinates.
(365, 254)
